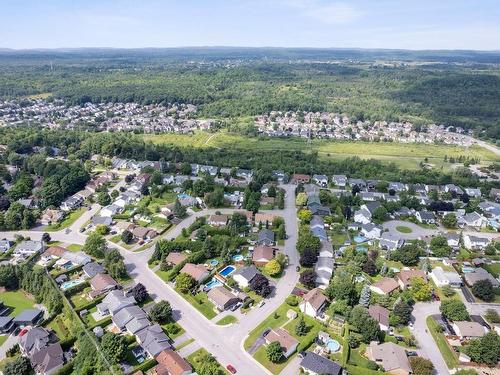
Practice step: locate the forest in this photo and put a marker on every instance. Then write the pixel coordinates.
(454, 88)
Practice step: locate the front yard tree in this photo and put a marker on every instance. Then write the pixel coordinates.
(305, 216)
(273, 268)
(95, 245)
(260, 285)
(401, 314)
(485, 349)
(370, 267)
(364, 324)
(421, 366)
(274, 352)
(308, 258)
(113, 347)
(308, 279)
(161, 312)
(46, 237)
(127, 236)
(184, 282)
(301, 327)
(179, 211)
(421, 291)
(140, 293)
(301, 199)
(454, 310)
(103, 198)
(439, 246)
(449, 221)
(409, 254)
(483, 289)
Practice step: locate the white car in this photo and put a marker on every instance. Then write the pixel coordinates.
(261, 303)
(410, 325)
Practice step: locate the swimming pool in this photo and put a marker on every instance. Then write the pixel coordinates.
(333, 345)
(214, 262)
(361, 249)
(466, 269)
(68, 266)
(211, 284)
(226, 271)
(70, 284)
(359, 238)
(237, 257)
(183, 196)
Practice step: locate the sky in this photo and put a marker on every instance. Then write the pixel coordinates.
(400, 24)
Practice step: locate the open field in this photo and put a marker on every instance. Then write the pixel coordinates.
(17, 301)
(404, 155)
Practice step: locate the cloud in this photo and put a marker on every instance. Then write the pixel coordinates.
(328, 12)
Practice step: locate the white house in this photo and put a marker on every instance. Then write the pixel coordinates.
(371, 231)
(339, 180)
(29, 248)
(389, 241)
(313, 303)
(321, 180)
(245, 275)
(425, 217)
(475, 243)
(324, 271)
(472, 219)
(362, 216)
(442, 278)
(111, 210)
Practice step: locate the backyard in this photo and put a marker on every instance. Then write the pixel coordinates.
(17, 301)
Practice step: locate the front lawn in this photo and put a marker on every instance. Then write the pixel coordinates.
(201, 303)
(195, 358)
(261, 356)
(228, 319)
(403, 229)
(446, 352)
(17, 301)
(74, 247)
(68, 220)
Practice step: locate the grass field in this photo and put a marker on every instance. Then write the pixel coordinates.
(403, 229)
(201, 303)
(228, 319)
(404, 155)
(17, 301)
(448, 355)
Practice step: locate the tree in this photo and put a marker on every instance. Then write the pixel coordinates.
(301, 327)
(380, 215)
(117, 270)
(102, 229)
(238, 223)
(485, 349)
(492, 316)
(46, 237)
(274, 352)
(271, 192)
(308, 258)
(308, 279)
(448, 291)
(4, 202)
(301, 199)
(207, 365)
(401, 313)
(184, 282)
(161, 312)
(127, 236)
(421, 290)
(215, 198)
(408, 254)
(114, 194)
(421, 366)
(186, 168)
(449, 221)
(260, 285)
(273, 268)
(439, 246)
(8, 278)
(364, 324)
(19, 366)
(140, 293)
(342, 287)
(113, 347)
(364, 298)
(95, 245)
(103, 198)
(483, 289)
(454, 310)
(370, 267)
(179, 211)
(308, 241)
(305, 215)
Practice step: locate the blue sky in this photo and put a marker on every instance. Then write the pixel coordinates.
(418, 24)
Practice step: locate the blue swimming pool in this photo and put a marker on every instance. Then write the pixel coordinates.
(211, 284)
(237, 257)
(333, 346)
(359, 239)
(214, 262)
(183, 196)
(226, 271)
(361, 249)
(70, 284)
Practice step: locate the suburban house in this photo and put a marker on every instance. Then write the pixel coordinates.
(153, 340)
(391, 357)
(385, 285)
(111, 210)
(171, 363)
(262, 255)
(266, 237)
(365, 212)
(263, 218)
(315, 364)
(222, 298)
(453, 240)
(114, 302)
(101, 284)
(102, 220)
(469, 330)
(425, 217)
(475, 243)
(381, 315)
(480, 274)
(324, 270)
(405, 277)
(4, 246)
(93, 268)
(72, 202)
(42, 349)
(472, 219)
(245, 275)
(442, 278)
(131, 319)
(288, 342)
(28, 317)
(371, 231)
(313, 303)
(300, 178)
(339, 180)
(142, 233)
(29, 248)
(51, 216)
(218, 220)
(390, 242)
(321, 180)
(175, 258)
(197, 271)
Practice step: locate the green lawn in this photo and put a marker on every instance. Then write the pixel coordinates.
(68, 220)
(194, 360)
(3, 338)
(74, 247)
(79, 299)
(275, 368)
(59, 325)
(201, 303)
(403, 229)
(447, 353)
(17, 301)
(228, 319)
(493, 268)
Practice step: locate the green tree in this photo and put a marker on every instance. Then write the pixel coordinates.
(19, 366)
(103, 198)
(273, 267)
(8, 278)
(492, 316)
(301, 327)
(305, 215)
(127, 236)
(102, 229)
(113, 347)
(483, 289)
(401, 313)
(449, 221)
(439, 246)
(301, 199)
(179, 211)
(274, 352)
(161, 312)
(421, 366)
(485, 349)
(184, 282)
(421, 290)
(408, 254)
(95, 245)
(364, 299)
(454, 310)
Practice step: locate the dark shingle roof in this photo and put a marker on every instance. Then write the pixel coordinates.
(320, 365)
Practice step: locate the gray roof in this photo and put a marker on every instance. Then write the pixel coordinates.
(125, 316)
(33, 340)
(248, 273)
(35, 246)
(153, 340)
(92, 269)
(266, 234)
(103, 220)
(320, 365)
(29, 315)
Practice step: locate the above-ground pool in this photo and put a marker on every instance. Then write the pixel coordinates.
(359, 238)
(333, 345)
(226, 271)
(237, 257)
(212, 284)
(70, 284)
(214, 262)
(361, 249)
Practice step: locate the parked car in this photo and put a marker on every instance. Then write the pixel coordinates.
(261, 303)
(412, 353)
(236, 306)
(297, 268)
(231, 369)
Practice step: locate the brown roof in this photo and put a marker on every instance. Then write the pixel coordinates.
(172, 363)
(316, 298)
(470, 329)
(175, 258)
(220, 295)
(196, 271)
(298, 176)
(263, 217)
(124, 225)
(380, 314)
(57, 251)
(386, 285)
(283, 337)
(218, 218)
(248, 214)
(406, 275)
(263, 253)
(392, 357)
(102, 281)
(141, 232)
